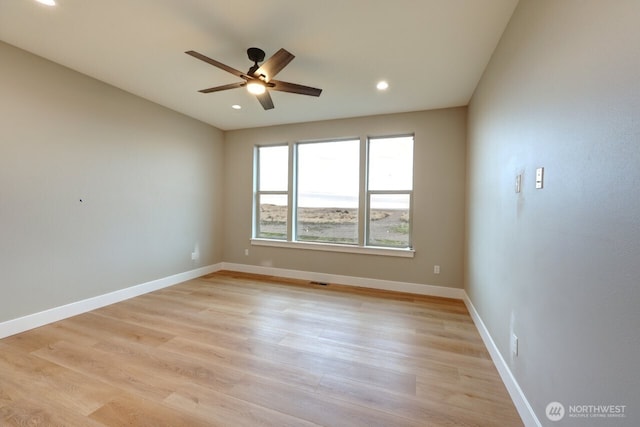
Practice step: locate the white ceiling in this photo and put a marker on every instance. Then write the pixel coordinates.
(432, 52)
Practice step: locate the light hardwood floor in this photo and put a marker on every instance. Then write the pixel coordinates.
(239, 350)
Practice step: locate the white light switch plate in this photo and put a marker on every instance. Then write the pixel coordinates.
(514, 344)
(539, 178)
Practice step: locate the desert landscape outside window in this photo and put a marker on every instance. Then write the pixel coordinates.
(356, 192)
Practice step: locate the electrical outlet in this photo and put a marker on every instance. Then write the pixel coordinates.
(246, 252)
(436, 269)
(514, 344)
(195, 255)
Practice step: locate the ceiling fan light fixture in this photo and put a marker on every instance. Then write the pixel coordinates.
(256, 87)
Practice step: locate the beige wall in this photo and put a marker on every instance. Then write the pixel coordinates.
(560, 266)
(438, 197)
(150, 181)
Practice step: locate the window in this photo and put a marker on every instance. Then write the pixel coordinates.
(351, 192)
(328, 186)
(389, 191)
(271, 195)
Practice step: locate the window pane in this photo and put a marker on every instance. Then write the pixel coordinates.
(272, 222)
(389, 220)
(273, 168)
(391, 163)
(328, 186)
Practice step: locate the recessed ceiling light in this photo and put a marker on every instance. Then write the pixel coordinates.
(47, 2)
(382, 85)
(236, 107)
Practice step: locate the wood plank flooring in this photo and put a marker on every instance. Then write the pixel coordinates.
(237, 350)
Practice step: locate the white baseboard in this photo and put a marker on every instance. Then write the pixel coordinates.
(21, 324)
(15, 326)
(387, 285)
(517, 395)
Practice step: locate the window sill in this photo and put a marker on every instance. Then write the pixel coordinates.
(328, 247)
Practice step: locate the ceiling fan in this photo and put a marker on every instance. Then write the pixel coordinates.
(260, 78)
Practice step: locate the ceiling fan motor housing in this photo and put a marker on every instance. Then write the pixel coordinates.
(255, 54)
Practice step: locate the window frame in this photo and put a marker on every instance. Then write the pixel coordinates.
(294, 207)
(257, 192)
(364, 197)
(369, 193)
(368, 216)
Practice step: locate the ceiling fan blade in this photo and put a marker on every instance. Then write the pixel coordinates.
(224, 87)
(274, 65)
(294, 88)
(265, 100)
(216, 64)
